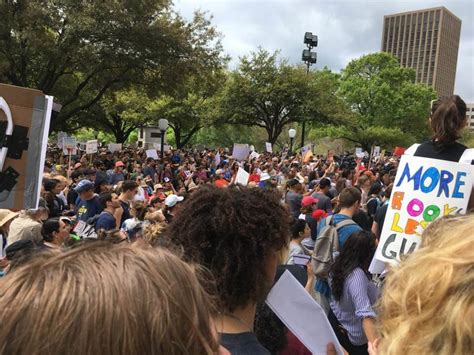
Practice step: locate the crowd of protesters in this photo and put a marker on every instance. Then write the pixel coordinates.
(183, 257)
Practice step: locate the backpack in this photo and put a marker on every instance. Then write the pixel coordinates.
(326, 247)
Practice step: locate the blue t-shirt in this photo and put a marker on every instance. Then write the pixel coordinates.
(105, 221)
(87, 209)
(321, 285)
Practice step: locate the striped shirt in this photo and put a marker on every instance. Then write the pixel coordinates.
(358, 296)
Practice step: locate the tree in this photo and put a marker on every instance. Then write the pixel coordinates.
(388, 107)
(268, 93)
(120, 113)
(77, 51)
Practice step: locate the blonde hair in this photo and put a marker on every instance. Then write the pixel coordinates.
(428, 302)
(104, 299)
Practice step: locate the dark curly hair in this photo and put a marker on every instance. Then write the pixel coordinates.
(357, 251)
(232, 232)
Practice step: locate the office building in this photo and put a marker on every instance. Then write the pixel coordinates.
(427, 41)
(470, 115)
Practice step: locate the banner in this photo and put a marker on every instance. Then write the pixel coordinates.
(241, 151)
(269, 147)
(92, 146)
(424, 190)
(25, 115)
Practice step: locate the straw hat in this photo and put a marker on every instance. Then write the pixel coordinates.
(6, 215)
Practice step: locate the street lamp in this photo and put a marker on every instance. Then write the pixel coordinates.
(291, 134)
(163, 126)
(309, 58)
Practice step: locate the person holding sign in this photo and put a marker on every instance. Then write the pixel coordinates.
(447, 119)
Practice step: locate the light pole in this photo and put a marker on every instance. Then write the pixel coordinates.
(163, 126)
(291, 134)
(309, 58)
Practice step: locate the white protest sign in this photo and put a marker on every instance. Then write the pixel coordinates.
(218, 158)
(84, 230)
(359, 153)
(92, 146)
(424, 190)
(252, 148)
(115, 147)
(167, 148)
(296, 309)
(254, 155)
(151, 153)
(242, 177)
(69, 145)
(269, 147)
(241, 151)
(376, 152)
(61, 135)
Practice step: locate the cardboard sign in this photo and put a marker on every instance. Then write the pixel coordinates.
(241, 151)
(424, 190)
(151, 153)
(92, 146)
(84, 230)
(268, 147)
(115, 147)
(25, 115)
(242, 177)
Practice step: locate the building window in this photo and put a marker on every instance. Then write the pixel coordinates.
(155, 134)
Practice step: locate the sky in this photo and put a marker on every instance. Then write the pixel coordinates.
(346, 29)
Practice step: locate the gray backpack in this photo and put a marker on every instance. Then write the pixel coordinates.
(326, 247)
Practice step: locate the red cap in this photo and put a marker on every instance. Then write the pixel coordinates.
(119, 163)
(308, 200)
(319, 214)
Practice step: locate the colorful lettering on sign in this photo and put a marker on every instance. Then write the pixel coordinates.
(427, 180)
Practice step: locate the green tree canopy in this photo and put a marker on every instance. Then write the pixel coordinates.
(388, 107)
(79, 50)
(269, 93)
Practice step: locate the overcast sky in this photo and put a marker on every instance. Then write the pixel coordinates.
(346, 29)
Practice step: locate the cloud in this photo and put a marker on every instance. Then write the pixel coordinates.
(346, 29)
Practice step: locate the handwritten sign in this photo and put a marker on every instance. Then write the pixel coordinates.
(376, 151)
(92, 146)
(424, 190)
(69, 145)
(241, 151)
(84, 230)
(269, 147)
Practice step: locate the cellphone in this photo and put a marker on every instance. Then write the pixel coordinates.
(301, 259)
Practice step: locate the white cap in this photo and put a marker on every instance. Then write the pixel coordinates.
(172, 200)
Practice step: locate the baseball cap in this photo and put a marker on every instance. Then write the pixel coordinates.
(319, 214)
(308, 200)
(172, 200)
(119, 163)
(84, 185)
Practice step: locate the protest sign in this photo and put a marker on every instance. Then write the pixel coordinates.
(242, 177)
(269, 147)
(84, 230)
(359, 153)
(69, 143)
(115, 147)
(305, 149)
(91, 146)
(218, 158)
(254, 155)
(151, 153)
(424, 190)
(376, 152)
(59, 141)
(241, 151)
(25, 115)
(295, 307)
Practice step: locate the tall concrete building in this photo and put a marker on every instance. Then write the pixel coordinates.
(427, 41)
(470, 115)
